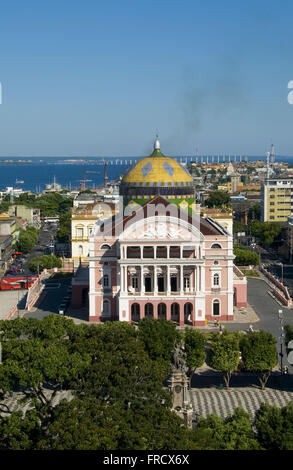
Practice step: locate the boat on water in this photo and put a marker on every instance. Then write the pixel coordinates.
(19, 181)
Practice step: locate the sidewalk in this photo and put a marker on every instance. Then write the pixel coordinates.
(241, 315)
(8, 299)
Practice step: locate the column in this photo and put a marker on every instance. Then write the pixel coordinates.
(155, 280)
(168, 287)
(181, 280)
(195, 279)
(121, 278)
(168, 310)
(181, 314)
(126, 279)
(202, 278)
(141, 281)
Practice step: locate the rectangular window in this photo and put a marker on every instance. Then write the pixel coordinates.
(216, 280)
(135, 282)
(106, 280)
(186, 282)
(80, 232)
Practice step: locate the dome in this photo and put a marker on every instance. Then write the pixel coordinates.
(157, 175)
(159, 170)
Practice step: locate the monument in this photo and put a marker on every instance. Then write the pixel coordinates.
(178, 383)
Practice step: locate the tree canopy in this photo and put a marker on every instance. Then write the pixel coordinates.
(224, 354)
(100, 387)
(259, 354)
(44, 262)
(218, 199)
(194, 342)
(245, 257)
(27, 239)
(158, 337)
(274, 426)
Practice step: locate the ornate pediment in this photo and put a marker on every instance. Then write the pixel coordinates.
(159, 231)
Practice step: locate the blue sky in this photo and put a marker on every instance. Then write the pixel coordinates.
(103, 77)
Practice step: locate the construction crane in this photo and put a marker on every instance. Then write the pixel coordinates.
(85, 180)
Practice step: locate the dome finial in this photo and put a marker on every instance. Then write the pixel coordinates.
(157, 143)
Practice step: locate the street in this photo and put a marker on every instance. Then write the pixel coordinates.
(50, 299)
(39, 249)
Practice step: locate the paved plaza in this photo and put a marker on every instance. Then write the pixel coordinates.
(13, 403)
(206, 401)
(207, 395)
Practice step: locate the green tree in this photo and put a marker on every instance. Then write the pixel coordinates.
(17, 432)
(39, 365)
(224, 354)
(275, 426)
(259, 354)
(232, 433)
(120, 370)
(255, 228)
(27, 239)
(40, 263)
(288, 332)
(254, 212)
(194, 341)
(245, 257)
(267, 232)
(218, 199)
(238, 227)
(270, 231)
(158, 337)
(63, 234)
(89, 424)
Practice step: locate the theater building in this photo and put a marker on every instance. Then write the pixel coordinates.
(159, 258)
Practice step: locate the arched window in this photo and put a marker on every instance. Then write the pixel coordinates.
(188, 307)
(216, 280)
(216, 307)
(135, 312)
(106, 308)
(162, 310)
(216, 246)
(80, 250)
(175, 309)
(148, 310)
(105, 247)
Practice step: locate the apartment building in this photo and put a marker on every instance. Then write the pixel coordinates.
(276, 199)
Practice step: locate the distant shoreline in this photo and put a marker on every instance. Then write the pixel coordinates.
(122, 160)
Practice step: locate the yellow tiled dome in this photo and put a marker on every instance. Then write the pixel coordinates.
(158, 169)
